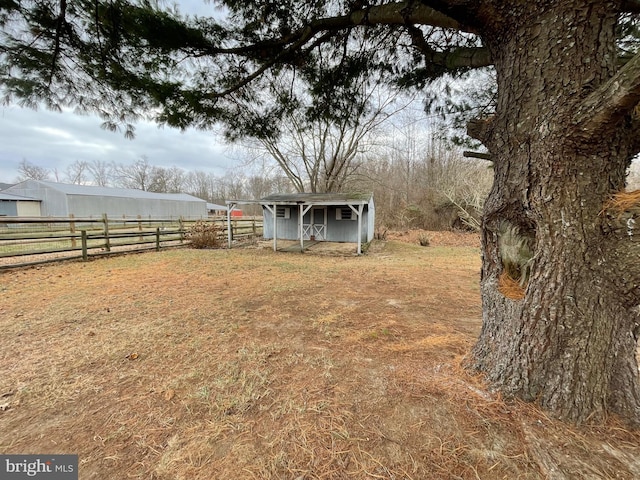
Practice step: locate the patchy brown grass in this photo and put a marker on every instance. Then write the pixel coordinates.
(250, 364)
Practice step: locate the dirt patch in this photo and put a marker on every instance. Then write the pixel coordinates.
(453, 238)
(254, 364)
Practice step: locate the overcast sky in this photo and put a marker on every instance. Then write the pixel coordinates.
(55, 140)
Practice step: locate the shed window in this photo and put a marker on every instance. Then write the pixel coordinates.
(345, 213)
(283, 212)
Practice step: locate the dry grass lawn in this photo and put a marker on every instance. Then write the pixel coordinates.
(250, 364)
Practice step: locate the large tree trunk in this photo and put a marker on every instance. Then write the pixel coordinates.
(569, 343)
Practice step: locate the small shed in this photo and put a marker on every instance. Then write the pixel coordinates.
(62, 200)
(18, 206)
(333, 217)
(215, 209)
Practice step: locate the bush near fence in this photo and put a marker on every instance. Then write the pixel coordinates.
(25, 241)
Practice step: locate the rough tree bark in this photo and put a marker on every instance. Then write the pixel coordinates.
(569, 343)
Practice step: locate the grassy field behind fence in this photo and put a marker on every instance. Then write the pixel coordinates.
(30, 237)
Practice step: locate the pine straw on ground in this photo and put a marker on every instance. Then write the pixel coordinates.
(250, 364)
(510, 287)
(623, 201)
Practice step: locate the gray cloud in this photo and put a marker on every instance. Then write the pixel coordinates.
(55, 140)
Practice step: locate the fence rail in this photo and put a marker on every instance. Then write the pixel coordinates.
(33, 240)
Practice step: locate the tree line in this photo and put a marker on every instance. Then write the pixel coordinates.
(418, 181)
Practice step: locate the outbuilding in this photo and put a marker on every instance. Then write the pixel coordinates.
(63, 200)
(18, 206)
(332, 217)
(217, 210)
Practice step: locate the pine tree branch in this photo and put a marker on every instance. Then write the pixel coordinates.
(479, 128)
(462, 10)
(56, 50)
(398, 13)
(610, 102)
(455, 58)
(631, 6)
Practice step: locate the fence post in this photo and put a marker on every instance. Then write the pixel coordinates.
(140, 227)
(105, 221)
(157, 239)
(253, 227)
(181, 223)
(72, 229)
(85, 255)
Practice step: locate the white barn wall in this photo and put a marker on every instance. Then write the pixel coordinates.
(90, 206)
(62, 200)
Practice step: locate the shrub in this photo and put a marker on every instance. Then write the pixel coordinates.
(423, 240)
(380, 233)
(204, 235)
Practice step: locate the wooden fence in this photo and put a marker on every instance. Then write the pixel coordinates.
(33, 240)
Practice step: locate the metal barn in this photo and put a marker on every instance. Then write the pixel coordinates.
(63, 200)
(332, 217)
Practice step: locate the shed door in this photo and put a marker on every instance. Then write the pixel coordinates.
(316, 227)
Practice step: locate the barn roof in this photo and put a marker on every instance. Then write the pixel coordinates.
(92, 190)
(215, 206)
(319, 198)
(8, 196)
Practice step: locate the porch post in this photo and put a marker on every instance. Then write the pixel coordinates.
(275, 228)
(300, 227)
(303, 212)
(272, 211)
(358, 213)
(360, 207)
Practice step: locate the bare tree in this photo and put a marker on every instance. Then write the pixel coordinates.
(175, 179)
(77, 172)
(200, 184)
(101, 172)
(421, 180)
(319, 153)
(29, 171)
(137, 175)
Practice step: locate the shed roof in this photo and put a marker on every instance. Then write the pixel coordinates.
(319, 198)
(92, 190)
